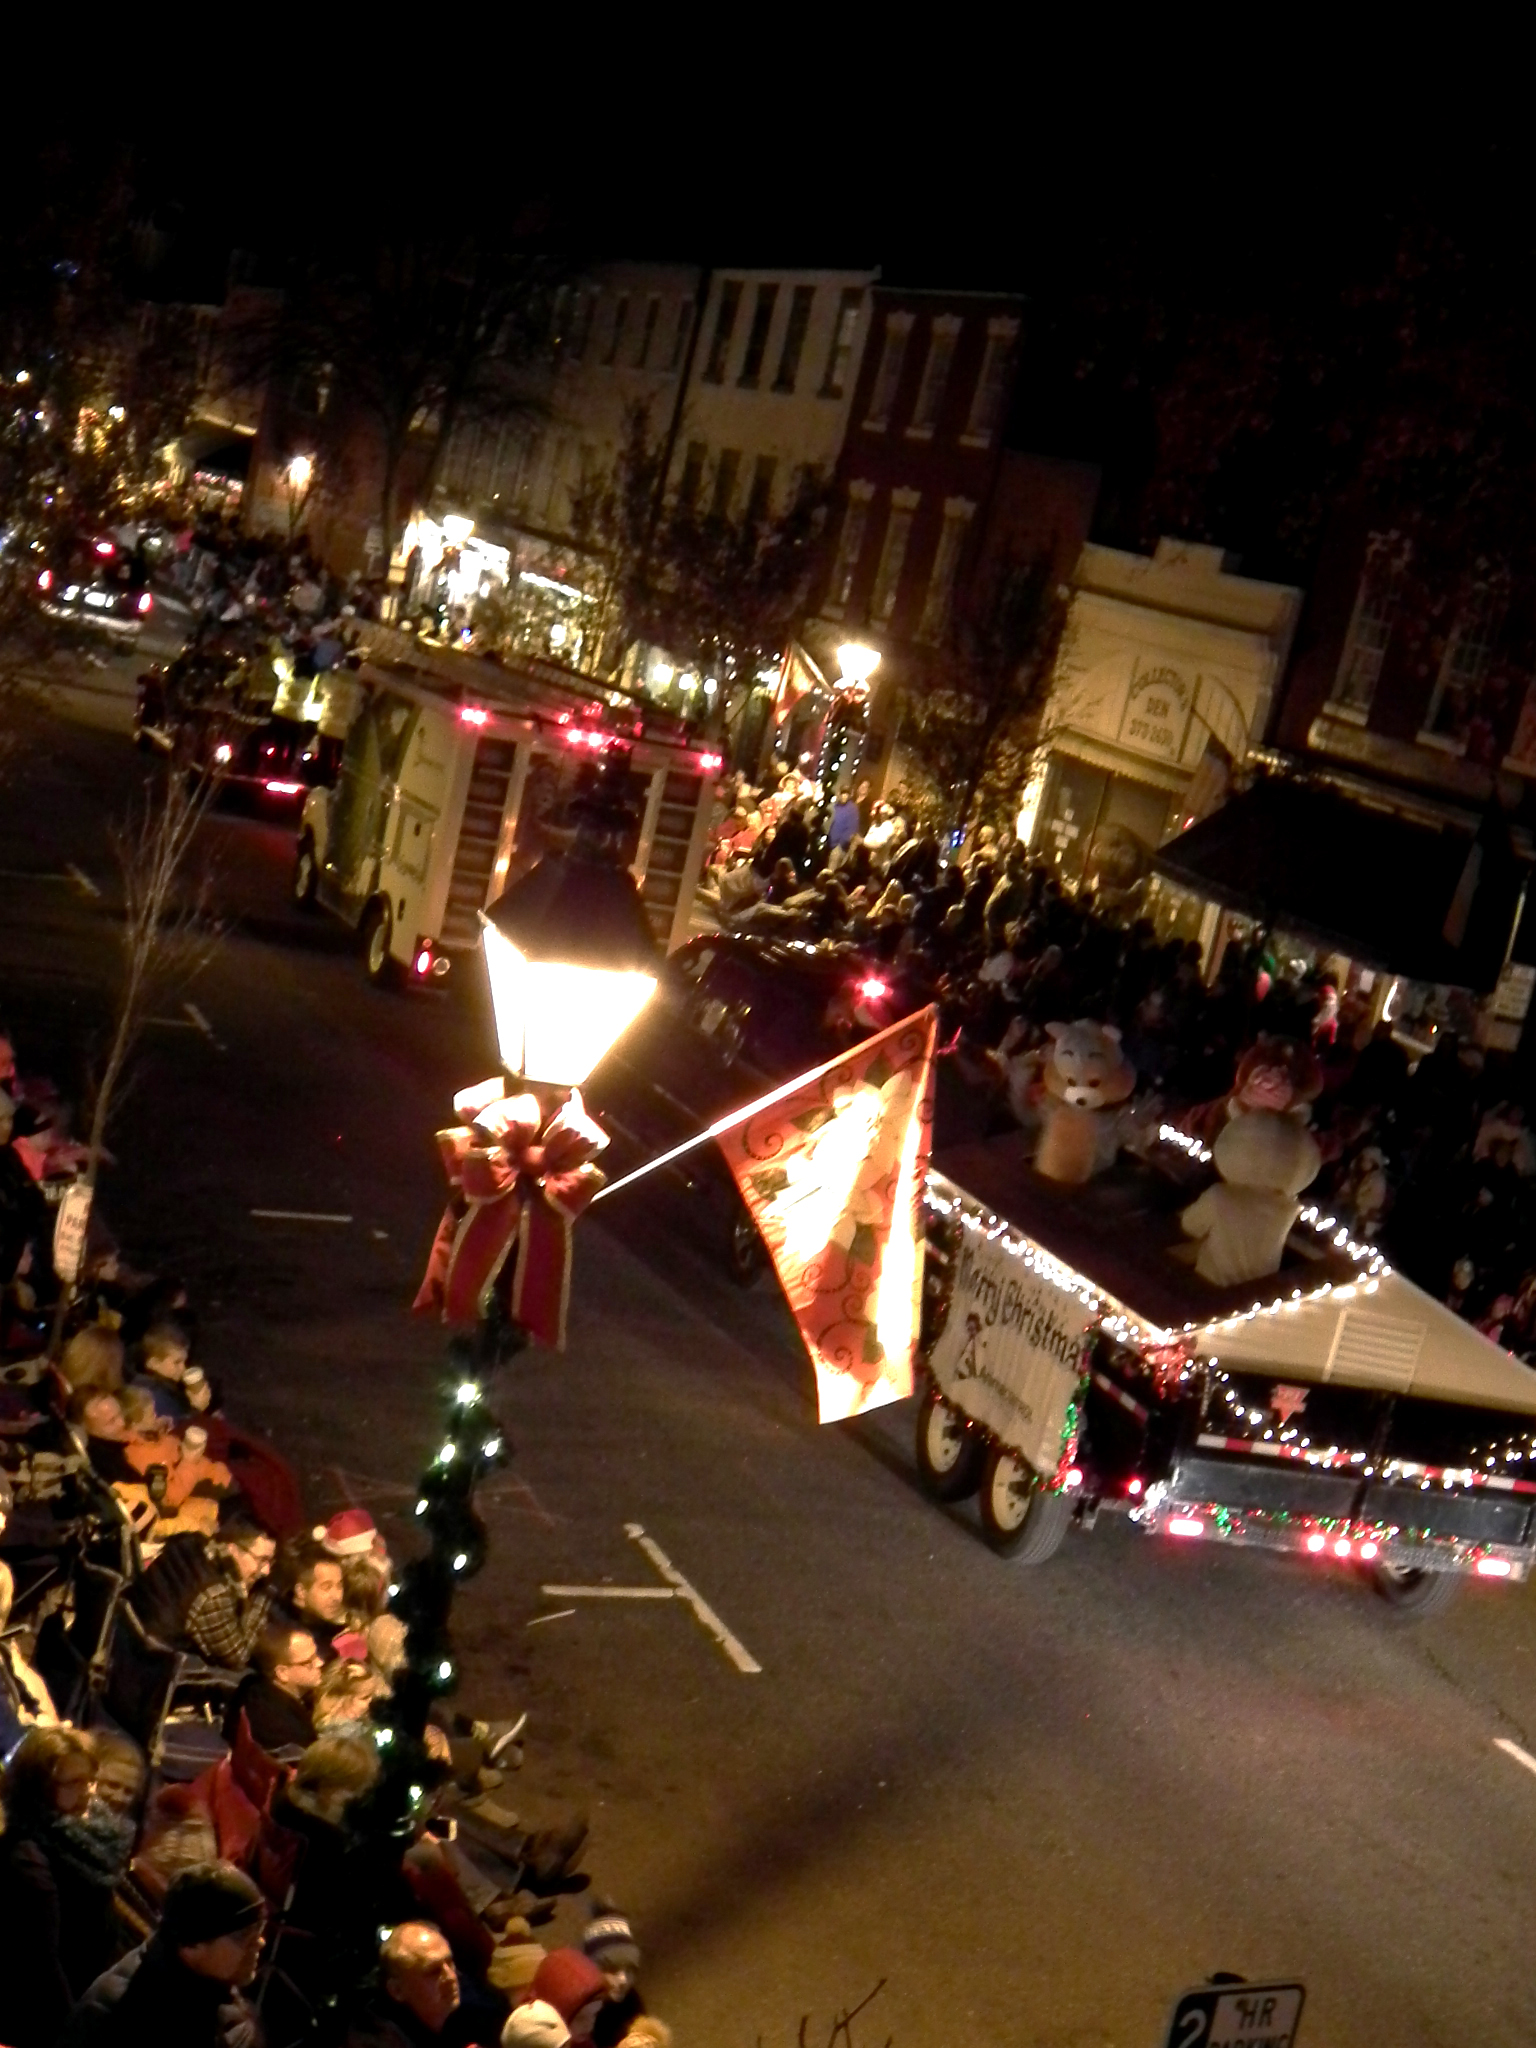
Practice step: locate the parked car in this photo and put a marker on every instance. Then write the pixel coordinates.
(732, 1018)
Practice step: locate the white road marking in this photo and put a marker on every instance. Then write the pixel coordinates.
(298, 1216)
(609, 1592)
(738, 1653)
(1521, 1756)
(79, 875)
(560, 1614)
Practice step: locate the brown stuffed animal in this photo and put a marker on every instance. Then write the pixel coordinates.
(1280, 1074)
(1086, 1078)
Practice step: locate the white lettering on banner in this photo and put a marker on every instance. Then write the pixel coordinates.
(69, 1232)
(1010, 1353)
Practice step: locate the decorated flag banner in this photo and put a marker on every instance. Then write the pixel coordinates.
(832, 1173)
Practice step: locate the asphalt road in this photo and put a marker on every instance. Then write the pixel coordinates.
(1037, 1804)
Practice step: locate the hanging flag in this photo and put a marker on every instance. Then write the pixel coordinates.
(832, 1174)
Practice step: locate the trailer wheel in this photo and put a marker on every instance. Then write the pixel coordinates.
(1018, 1518)
(1411, 1593)
(746, 1256)
(306, 874)
(378, 963)
(950, 1455)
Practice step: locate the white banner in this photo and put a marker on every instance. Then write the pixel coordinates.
(69, 1228)
(1010, 1352)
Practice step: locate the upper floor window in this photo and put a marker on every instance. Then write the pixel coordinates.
(794, 337)
(930, 394)
(893, 354)
(692, 473)
(726, 471)
(850, 545)
(1456, 697)
(620, 314)
(946, 564)
(647, 333)
(680, 332)
(760, 496)
(1377, 605)
(725, 327)
(893, 555)
(987, 400)
(757, 335)
(840, 355)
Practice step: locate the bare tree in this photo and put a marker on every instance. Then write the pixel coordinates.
(974, 726)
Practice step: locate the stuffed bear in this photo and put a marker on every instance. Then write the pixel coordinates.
(1086, 1077)
(1265, 1159)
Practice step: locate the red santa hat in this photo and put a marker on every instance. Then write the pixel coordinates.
(347, 1534)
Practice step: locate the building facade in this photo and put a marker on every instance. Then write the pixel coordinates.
(915, 487)
(1166, 680)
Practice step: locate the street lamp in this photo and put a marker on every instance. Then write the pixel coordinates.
(301, 469)
(857, 663)
(571, 960)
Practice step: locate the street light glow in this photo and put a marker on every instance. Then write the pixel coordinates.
(856, 662)
(300, 470)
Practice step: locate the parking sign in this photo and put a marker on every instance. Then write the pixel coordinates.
(1237, 2016)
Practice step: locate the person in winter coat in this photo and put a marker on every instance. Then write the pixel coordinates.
(56, 1886)
(186, 1983)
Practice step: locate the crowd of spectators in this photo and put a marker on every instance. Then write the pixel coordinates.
(1428, 1150)
(188, 1660)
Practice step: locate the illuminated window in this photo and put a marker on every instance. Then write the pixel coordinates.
(794, 337)
(946, 564)
(725, 326)
(647, 332)
(992, 381)
(893, 555)
(850, 545)
(893, 354)
(757, 335)
(930, 395)
(1370, 632)
(840, 355)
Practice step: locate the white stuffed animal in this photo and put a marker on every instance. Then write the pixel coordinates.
(1265, 1159)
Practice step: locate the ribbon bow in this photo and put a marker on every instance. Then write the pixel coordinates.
(514, 1180)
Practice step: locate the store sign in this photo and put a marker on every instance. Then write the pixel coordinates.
(69, 1230)
(1512, 998)
(1010, 1353)
(1157, 708)
(1237, 2016)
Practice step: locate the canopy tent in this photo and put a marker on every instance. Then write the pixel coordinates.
(1432, 904)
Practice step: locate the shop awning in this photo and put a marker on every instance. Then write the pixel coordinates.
(1434, 905)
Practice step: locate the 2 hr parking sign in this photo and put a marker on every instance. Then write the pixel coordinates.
(1237, 2016)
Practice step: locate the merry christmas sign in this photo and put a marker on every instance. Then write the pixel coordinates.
(1010, 1354)
(832, 1174)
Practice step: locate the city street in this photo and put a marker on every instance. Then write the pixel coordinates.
(1038, 1804)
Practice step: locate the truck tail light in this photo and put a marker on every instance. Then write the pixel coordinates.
(1369, 1550)
(1185, 1525)
(45, 580)
(1343, 1547)
(283, 788)
(1133, 1488)
(1316, 1542)
(428, 962)
(146, 602)
(1494, 1567)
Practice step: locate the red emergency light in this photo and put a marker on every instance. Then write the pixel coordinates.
(1185, 1525)
(471, 714)
(874, 990)
(711, 763)
(105, 547)
(146, 602)
(283, 788)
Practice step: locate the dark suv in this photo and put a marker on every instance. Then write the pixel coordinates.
(733, 1018)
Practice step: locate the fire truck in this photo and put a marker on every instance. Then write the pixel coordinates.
(457, 775)
(1333, 1411)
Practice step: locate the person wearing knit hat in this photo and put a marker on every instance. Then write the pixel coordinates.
(574, 1985)
(535, 2025)
(185, 1983)
(517, 1957)
(609, 1941)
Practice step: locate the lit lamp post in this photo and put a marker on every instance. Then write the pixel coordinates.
(298, 476)
(845, 722)
(571, 962)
